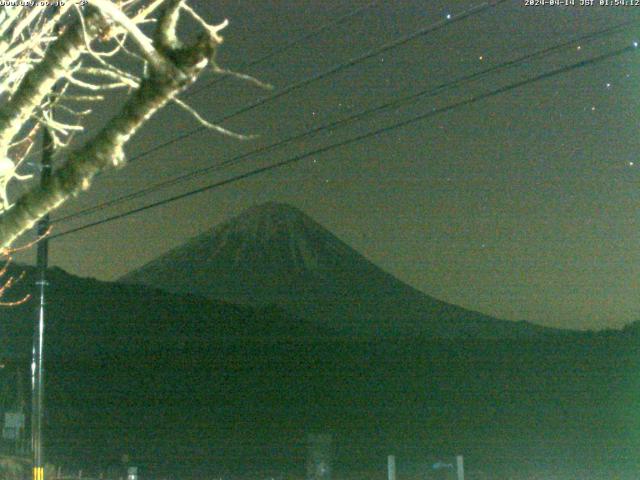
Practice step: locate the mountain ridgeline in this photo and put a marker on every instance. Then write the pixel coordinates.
(195, 388)
(274, 254)
(268, 327)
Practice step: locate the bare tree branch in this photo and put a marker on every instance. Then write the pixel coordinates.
(180, 66)
(40, 81)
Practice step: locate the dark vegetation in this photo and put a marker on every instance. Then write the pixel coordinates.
(187, 385)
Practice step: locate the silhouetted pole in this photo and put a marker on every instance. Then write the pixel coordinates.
(37, 367)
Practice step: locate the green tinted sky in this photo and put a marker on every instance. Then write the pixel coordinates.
(523, 206)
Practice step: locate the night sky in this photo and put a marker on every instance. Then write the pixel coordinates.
(522, 206)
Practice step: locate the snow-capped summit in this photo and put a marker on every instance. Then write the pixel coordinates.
(269, 238)
(275, 254)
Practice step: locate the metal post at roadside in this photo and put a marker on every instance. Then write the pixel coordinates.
(460, 467)
(37, 362)
(391, 467)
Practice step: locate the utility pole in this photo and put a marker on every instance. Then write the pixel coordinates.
(37, 367)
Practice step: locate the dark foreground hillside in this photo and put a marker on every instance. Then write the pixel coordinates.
(191, 388)
(233, 406)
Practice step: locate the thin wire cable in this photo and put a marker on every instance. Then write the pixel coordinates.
(287, 46)
(332, 125)
(283, 48)
(358, 138)
(331, 71)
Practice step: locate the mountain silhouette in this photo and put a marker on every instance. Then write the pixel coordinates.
(274, 254)
(190, 386)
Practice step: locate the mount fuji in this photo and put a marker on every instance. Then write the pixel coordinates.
(274, 254)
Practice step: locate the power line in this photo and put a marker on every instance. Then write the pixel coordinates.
(283, 48)
(450, 19)
(371, 53)
(406, 99)
(421, 117)
(288, 45)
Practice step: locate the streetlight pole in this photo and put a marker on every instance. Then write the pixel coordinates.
(37, 368)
